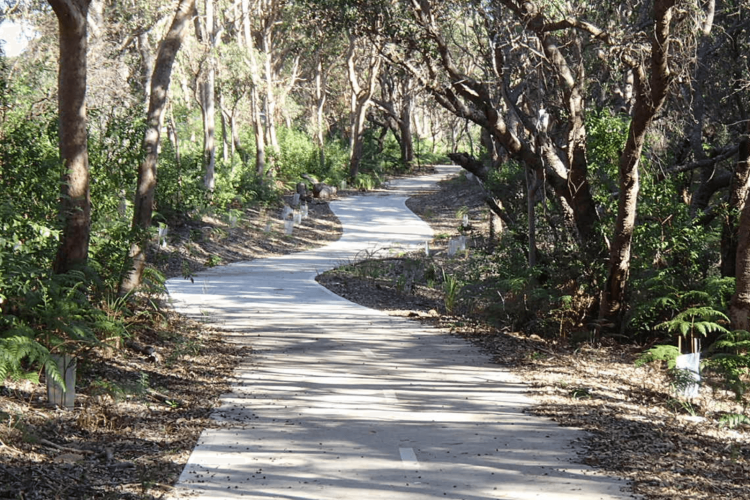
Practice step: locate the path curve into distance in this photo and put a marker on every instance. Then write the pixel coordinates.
(339, 401)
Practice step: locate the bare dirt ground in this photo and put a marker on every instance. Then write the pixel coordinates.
(637, 428)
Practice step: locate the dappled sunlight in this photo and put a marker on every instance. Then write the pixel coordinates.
(343, 402)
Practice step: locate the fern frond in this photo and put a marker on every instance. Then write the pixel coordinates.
(20, 351)
(706, 327)
(696, 297)
(666, 353)
(699, 320)
(665, 302)
(704, 312)
(733, 420)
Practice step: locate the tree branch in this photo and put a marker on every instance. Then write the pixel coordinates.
(721, 155)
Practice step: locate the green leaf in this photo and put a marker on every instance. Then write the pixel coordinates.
(733, 420)
(666, 353)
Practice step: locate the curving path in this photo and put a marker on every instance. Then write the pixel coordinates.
(344, 402)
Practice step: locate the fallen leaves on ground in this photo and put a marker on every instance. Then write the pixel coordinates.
(134, 424)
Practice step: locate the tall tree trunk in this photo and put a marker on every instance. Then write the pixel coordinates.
(739, 309)
(357, 139)
(147, 63)
(740, 184)
(208, 96)
(491, 145)
(283, 94)
(649, 99)
(224, 136)
(236, 143)
(702, 196)
(260, 142)
(320, 101)
(531, 214)
(404, 125)
(255, 104)
(144, 196)
(75, 198)
(360, 102)
(270, 93)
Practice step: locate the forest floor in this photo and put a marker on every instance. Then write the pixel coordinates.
(138, 416)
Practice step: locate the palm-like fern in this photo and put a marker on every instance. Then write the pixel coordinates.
(695, 320)
(19, 351)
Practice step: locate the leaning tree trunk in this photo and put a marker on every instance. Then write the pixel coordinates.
(144, 196)
(75, 197)
(649, 99)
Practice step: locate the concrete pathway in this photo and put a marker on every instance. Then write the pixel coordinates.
(344, 402)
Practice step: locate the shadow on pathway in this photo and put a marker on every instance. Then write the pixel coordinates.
(343, 402)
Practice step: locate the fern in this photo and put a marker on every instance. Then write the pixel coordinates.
(697, 297)
(19, 352)
(666, 353)
(695, 320)
(733, 420)
(720, 290)
(515, 284)
(731, 359)
(737, 341)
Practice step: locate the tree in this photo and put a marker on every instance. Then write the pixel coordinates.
(739, 311)
(498, 86)
(650, 94)
(144, 198)
(207, 33)
(258, 127)
(75, 199)
(361, 95)
(397, 104)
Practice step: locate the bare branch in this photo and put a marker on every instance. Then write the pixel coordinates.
(723, 154)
